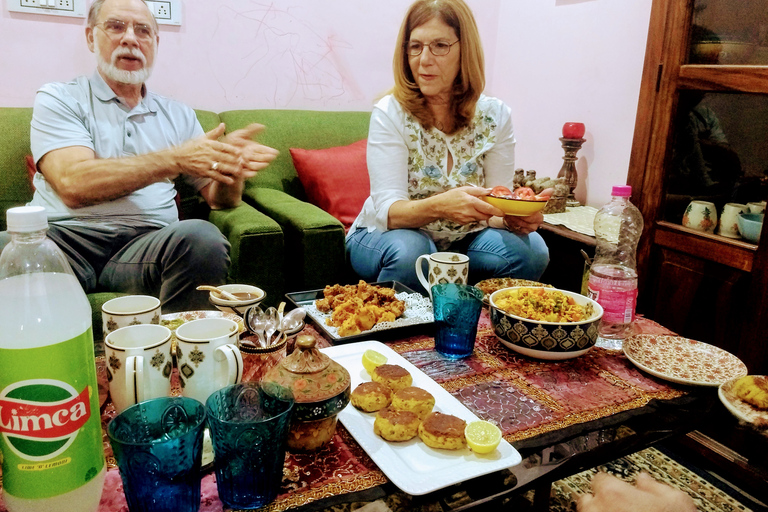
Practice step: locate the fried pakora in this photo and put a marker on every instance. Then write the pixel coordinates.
(357, 308)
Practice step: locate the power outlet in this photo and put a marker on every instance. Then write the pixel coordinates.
(162, 10)
(67, 5)
(167, 12)
(72, 8)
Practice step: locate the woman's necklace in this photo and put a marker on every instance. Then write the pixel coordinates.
(439, 125)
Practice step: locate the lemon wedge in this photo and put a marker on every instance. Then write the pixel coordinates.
(372, 360)
(482, 436)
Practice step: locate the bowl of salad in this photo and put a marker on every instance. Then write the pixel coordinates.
(521, 202)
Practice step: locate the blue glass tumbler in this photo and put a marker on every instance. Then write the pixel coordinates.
(457, 309)
(158, 445)
(249, 425)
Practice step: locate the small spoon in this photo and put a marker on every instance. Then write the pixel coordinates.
(272, 323)
(224, 294)
(256, 321)
(292, 319)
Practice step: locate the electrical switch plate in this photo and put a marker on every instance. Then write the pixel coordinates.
(167, 12)
(72, 8)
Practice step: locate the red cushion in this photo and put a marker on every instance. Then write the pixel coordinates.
(31, 169)
(335, 179)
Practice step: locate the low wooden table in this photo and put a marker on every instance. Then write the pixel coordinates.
(563, 417)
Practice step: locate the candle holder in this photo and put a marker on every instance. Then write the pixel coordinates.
(568, 170)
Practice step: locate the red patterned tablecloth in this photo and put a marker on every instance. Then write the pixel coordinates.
(525, 397)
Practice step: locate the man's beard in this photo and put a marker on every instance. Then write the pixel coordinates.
(123, 76)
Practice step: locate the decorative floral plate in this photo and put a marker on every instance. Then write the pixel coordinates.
(488, 286)
(683, 360)
(739, 408)
(173, 320)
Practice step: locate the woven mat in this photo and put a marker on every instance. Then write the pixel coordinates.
(707, 496)
(578, 218)
(706, 493)
(528, 399)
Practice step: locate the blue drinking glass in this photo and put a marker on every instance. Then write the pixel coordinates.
(158, 445)
(457, 309)
(249, 425)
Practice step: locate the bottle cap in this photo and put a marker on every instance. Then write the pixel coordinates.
(622, 190)
(25, 219)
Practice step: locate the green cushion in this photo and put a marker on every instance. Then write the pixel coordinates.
(256, 251)
(15, 189)
(306, 129)
(97, 300)
(314, 239)
(208, 120)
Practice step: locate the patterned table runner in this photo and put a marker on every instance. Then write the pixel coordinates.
(525, 397)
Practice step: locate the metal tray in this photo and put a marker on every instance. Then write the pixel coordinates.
(299, 299)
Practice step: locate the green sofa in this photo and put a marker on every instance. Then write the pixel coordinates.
(314, 240)
(279, 242)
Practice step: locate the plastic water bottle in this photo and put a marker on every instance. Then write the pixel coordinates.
(50, 426)
(613, 274)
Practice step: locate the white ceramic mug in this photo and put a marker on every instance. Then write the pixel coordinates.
(756, 207)
(444, 267)
(129, 310)
(139, 364)
(207, 356)
(729, 226)
(701, 216)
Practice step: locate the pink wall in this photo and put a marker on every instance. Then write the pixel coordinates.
(573, 60)
(231, 54)
(552, 61)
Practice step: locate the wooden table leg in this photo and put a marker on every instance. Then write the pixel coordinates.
(541, 495)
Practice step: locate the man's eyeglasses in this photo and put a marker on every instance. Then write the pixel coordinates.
(116, 28)
(438, 48)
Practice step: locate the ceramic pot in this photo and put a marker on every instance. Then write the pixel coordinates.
(701, 216)
(728, 226)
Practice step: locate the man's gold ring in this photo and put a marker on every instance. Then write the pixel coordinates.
(215, 166)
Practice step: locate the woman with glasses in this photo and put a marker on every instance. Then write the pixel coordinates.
(436, 144)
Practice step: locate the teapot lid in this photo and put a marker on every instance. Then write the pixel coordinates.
(310, 374)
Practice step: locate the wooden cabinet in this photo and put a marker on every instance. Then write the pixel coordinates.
(700, 134)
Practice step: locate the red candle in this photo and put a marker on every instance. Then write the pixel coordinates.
(573, 130)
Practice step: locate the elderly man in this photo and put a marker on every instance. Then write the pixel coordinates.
(107, 151)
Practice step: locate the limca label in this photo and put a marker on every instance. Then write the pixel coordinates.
(50, 429)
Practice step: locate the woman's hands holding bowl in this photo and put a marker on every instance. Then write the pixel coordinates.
(523, 225)
(464, 205)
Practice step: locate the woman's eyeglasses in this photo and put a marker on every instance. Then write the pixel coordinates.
(438, 48)
(116, 28)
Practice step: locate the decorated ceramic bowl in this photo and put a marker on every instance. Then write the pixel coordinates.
(251, 296)
(321, 389)
(546, 340)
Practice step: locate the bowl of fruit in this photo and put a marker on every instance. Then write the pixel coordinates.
(521, 202)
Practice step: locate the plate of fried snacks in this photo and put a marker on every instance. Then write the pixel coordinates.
(747, 399)
(682, 360)
(351, 312)
(416, 432)
(488, 286)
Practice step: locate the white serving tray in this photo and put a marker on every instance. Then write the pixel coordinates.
(411, 465)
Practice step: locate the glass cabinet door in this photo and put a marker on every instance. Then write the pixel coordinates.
(730, 32)
(719, 157)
